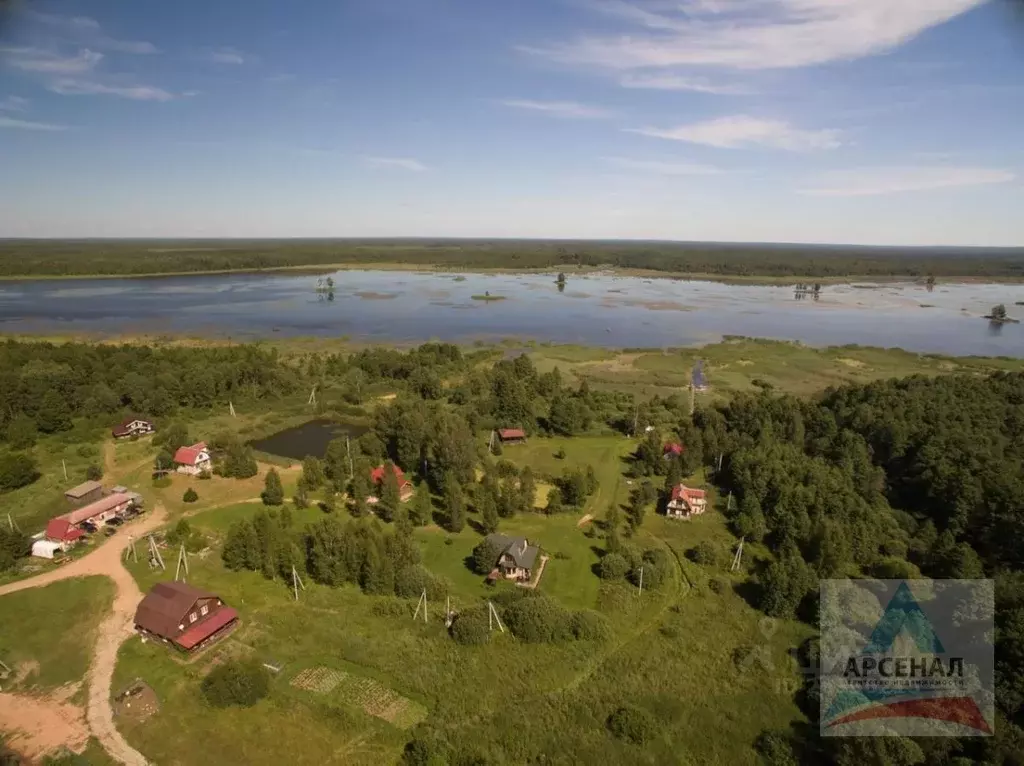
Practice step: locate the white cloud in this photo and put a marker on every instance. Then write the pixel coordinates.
(681, 82)
(14, 104)
(559, 108)
(87, 30)
(663, 168)
(10, 122)
(869, 182)
(401, 163)
(752, 34)
(84, 87)
(50, 62)
(226, 56)
(742, 131)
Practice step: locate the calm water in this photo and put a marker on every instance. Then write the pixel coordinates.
(307, 439)
(593, 310)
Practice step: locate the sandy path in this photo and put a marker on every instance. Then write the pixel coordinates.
(113, 631)
(40, 725)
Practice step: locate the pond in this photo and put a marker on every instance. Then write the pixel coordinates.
(308, 439)
(593, 309)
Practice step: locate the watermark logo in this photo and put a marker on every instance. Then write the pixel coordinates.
(907, 658)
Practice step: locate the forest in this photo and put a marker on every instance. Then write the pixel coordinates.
(23, 258)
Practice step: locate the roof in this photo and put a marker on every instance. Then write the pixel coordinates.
(377, 474)
(62, 530)
(47, 546)
(512, 433)
(189, 455)
(206, 628)
(166, 605)
(83, 489)
(103, 505)
(519, 548)
(682, 492)
(122, 427)
(675, 448)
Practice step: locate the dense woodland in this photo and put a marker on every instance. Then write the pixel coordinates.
(84, 257)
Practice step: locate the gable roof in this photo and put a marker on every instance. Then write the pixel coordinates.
(95, 508)
(518, 548)
(675, 448)
(512, 433)
(61, 530)
(83, 489)
(189, 455)
(165, 606)
(682, 492)
(377, 474)
(123, 428)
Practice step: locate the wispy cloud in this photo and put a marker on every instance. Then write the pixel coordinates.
(742, 131)
(870, 182)
(49, 61)
(225, 56)
(14, 104)
(570, 109)
(663, 168)
(399, 163)
(682, 82)
(751, 34)
(83, 29)
(10, 122)
(67, 86)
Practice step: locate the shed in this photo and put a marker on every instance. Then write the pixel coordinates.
(46, 549)
(512, 435)
(85, 492)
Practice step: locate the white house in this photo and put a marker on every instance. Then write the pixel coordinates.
(686, 502)
(192, 460)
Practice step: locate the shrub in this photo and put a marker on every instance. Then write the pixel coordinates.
(538, 620)
(632, 724)
(162, 482)
(613, 566)
(190, 496)
(560, 455)
(17, 469)
(411, 580)
(704, 554)
(718, 585)
(471, 627)
(505, 469)
(775, 749)
(94, 473)
(485, 556)
(236, 682)
(205, 475)
(390, 607)
(589, 626)
(668, 630)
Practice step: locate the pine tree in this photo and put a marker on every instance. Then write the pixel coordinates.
(455, 504)
(273, 492)
(390, 494)
(527, 489)
(488, 511)
(403, 524)
(422, 508)
(313, 472)
(360, 491)
(301, 495)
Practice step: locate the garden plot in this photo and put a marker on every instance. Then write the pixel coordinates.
(365, 693)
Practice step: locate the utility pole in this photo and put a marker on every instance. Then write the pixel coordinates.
(231, 408)
(154, 552)
(312, 397)
(421, 603)
(693, 398)
(182, 559)
(641, 581)
(65, 467)
(297, 582)
(728, 502)
(348, 452)
(448, 617)
(636, 416)
(490, 443)
(492, 617)
(737, 560)
(10, 521)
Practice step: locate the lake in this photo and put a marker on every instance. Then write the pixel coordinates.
(308, 439)
(596, 309)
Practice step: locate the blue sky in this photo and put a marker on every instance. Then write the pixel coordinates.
(850, 121)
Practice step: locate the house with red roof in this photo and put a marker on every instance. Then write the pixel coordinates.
(377, 480)
(686, 502)
(192, 460)
(512, 435)
(67, 529)
(184, 617)
(674, 449)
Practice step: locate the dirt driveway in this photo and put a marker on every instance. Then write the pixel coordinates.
(23, 719)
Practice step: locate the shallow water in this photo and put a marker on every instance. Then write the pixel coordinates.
(308, 439)
(596, 309)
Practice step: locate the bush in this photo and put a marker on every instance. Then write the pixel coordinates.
(589, 626)
(236, 682)
(190, 496)
(613, 566)
(485, 557)
(161, 482)
(205, 475)
(94, 473)
(632, 724)
(775, 749)
(718, 585)
(390, 607)
(538, 620)
(560, 455)
(17, 469)
(471, 627)
(704, 554)
(411, 580)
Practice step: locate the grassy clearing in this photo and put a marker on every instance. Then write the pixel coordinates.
(49, 632)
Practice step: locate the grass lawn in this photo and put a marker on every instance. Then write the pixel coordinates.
(51, 630)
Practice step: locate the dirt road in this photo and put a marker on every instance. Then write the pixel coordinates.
(113, 631)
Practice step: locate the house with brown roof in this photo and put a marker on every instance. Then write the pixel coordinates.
(686, 502)
(193, 460)
(512, 436)
(183, 616)
(132, 427)
(377, 480)
(84, 493)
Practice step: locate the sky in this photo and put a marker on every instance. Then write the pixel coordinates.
(878, 122)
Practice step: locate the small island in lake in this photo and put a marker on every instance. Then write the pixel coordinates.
(999, 316)
(488, 297)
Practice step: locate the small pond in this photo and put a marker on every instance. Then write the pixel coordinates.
(308, 439)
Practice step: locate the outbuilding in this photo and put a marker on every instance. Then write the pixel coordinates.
(46, 549)
(84, 493)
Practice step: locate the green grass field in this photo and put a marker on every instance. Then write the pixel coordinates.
(47, 634)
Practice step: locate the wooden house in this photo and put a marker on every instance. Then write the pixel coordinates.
(192, 460)
(516, 557)
(686, 502)
(405, 489)
(512, 436)
(132, 427)
(183, 616)
(84, 493)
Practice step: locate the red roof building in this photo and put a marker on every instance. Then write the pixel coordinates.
(60, 530)
(512, 435)
(66, 527)
(193, 460)
(674, 449)
(377, 474)
(183, 616)
(686, 502)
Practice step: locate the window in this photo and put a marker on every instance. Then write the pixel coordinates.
(205, 610)
(192, 617)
